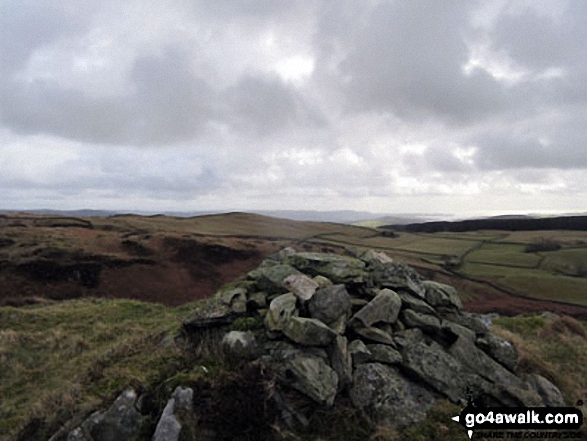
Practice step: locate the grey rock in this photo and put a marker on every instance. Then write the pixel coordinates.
(375, 257)
(359, 352)
(417, 304)
(339, 325)
(323, 281)
(408, 337)
(507, 388)
(169, 425)
(550, 394)
(434, 366)
(210, 313)
(467, 320)
(375, 335)
(499, 349)
(281, 309)
(338, 269)
(239, 345)
(357, 303)
(341, 361)
(439, 294)
(301, 285)
(385, 307)
(121, 421)
(271, 278)
(257, 300)
(308, 331)
(398, 276)
(457, 331)
(384, 354)
(388, 397)
(330, 303)
(184, 398)
(413, 319)
(309, 375)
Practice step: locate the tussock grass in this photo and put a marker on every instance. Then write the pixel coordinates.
(554, 348)
(65, 358)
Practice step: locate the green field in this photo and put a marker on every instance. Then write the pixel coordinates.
(504, 254)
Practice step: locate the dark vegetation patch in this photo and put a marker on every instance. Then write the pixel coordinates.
(87, 274)
(201, 258)
(136, 248)
(576, 223)
(6, 242)
(542, 245)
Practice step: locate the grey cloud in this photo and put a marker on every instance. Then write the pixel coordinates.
(26, 25)
(443, 159)
(262, 105)
(540, 41)
(408, 59)
(167, 103)
(507, 151)
(242, 8)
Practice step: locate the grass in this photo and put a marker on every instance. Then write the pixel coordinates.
(571, 262)
(62, 359)
(554, 348)
(533, 283)
(501, 254)
(70, 356)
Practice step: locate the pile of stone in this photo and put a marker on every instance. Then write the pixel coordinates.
(368, 329)
(364, 330)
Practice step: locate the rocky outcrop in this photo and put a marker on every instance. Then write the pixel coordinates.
(121, 421)
(321, 329)
(373, 330)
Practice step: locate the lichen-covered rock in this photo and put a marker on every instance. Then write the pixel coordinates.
(121, 421)
(468, 320)
(371, 257)
(415, 303)
(330, 303)
(308, 331)
(507, 388)
(550, 394)
(301, 285)
(310, 375)
(384, 354)
(341, 361)
(271, 278)
(413, 319)
(398, 276)
(359, 352)
(281, 309)
(385, 307)
(376, 335)
(439, 294)
(499, 349)
(388, 397)
(338, 269)
(411, 341)
(434, 366)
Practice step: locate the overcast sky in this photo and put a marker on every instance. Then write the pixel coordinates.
(453, 106)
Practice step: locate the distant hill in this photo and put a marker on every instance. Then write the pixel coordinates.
(363, 218)
(507, 223)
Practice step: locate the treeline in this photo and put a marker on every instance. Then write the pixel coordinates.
(577, 223)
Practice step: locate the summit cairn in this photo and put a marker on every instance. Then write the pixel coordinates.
(368, 330)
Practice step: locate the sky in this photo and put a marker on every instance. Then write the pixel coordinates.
(389, 106)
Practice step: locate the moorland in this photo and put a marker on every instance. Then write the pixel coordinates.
(90, 306)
